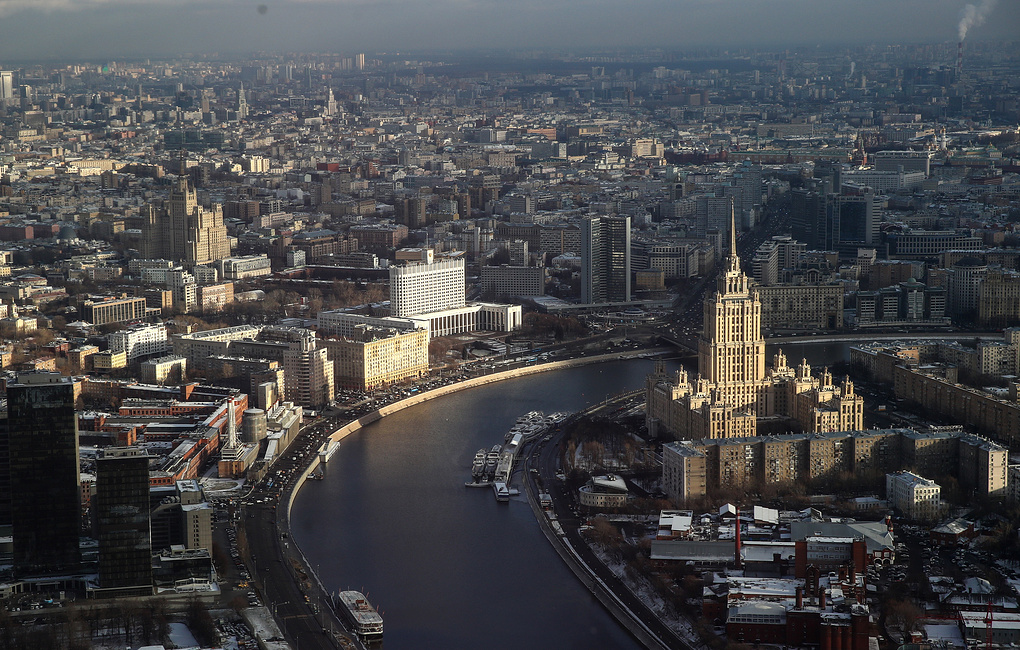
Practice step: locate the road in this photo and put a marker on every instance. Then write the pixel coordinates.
(544, 456)
(294, 596)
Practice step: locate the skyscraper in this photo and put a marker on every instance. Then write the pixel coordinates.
(122, 519)
(733, 388)
(331, 109)
(6, 86)
(45, 486)
(605, 260)
(242, 103)
(182, 230)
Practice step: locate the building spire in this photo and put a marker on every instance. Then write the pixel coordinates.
(732, 261)
(733, 231)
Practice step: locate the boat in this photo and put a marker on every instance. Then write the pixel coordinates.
(502, 492)
(478, 464)
(316, 476)
(327, 450)
(492, 459)
(364, 619)
(530, 418)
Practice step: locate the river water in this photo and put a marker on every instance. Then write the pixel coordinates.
(447, 566)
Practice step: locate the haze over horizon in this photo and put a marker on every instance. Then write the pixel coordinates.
(86, 29)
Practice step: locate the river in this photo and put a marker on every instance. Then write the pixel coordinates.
(447, 566)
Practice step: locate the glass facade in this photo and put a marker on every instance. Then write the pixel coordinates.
(44, 480)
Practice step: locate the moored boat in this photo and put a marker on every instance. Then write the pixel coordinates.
(478, 464)
(364, 618)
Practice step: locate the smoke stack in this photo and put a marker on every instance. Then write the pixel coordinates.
(738, 537)
(800, 597)
(821, 598)
(959, 60)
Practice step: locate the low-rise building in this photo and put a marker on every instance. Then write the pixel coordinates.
(916, 497)
(164, 370)
(113, 310)
(241, 268)
(109, 360)
(604, 492)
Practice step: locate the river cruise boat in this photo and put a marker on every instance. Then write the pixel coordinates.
(364, 618)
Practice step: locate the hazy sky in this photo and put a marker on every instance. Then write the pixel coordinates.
(91, 29)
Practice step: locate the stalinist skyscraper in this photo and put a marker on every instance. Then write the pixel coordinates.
(184, 231)
(733, 388)
(731, 350)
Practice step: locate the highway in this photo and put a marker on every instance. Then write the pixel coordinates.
(288, 589)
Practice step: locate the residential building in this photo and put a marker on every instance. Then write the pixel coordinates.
(373, 357)
(802, 306)
(170, 369)
(916, 497)
(511, 281)
(140, 341)
(695, 468)
(307, 372)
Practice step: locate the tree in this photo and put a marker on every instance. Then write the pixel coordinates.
(606, 534)
(201, 623)
(903, 613)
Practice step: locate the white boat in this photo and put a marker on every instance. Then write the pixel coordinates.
(365, 620)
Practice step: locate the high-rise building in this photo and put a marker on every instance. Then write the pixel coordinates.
(307, 372)
(748, 179)
(519, 253)
(242, 103)
(605, 260)
(331, 108)
(424, 288)
(854, 222)
(359, 61)
(6, 86)
(712, 213)
(733, 389)
(122, 520)
(182, 230)
(45, 486)
(808, 215)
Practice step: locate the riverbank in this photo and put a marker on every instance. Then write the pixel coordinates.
(588, 576)
(414, 400)
(296, 556)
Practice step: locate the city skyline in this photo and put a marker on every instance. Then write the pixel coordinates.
(54, 29)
